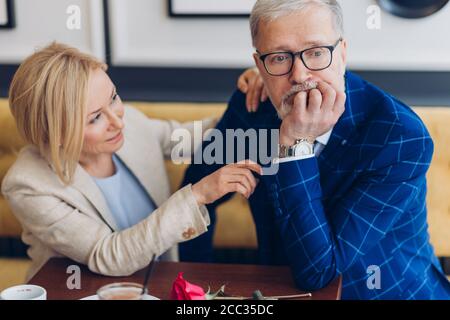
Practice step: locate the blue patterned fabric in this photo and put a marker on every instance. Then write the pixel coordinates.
(358, 207)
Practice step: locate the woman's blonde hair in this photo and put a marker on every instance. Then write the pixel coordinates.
(48, 97)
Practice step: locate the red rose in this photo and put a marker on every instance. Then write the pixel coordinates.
(183, 290)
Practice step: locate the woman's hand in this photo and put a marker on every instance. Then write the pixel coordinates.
(235, 177)
(251, 83)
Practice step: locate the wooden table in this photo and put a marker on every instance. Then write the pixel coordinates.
(240, 280)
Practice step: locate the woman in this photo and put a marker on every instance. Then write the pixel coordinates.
(91, 184)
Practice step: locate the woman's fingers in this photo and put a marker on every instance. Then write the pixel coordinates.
(236, 177)
(250, 82)
(264, 94)
(258, 91)
(242, 180)
(243, 176)
(241, 172)
(251, 94)
(251, 165)
(237, 187)
(242, 83)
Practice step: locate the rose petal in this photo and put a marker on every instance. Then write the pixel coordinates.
(183, 290)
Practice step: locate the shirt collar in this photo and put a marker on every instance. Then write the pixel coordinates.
(323, 139)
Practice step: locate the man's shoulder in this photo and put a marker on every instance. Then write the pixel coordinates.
(237, 106)
(237, 101)
(238, 116)
(386, 111)
(400, 116)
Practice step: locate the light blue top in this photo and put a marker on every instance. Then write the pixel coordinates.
(127, 199)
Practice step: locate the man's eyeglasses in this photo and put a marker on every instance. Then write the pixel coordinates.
(315, 59)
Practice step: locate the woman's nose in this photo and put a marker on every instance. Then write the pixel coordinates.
(116, 120)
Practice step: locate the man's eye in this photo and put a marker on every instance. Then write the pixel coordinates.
(279, 58)
(316, 53)
(115, 96)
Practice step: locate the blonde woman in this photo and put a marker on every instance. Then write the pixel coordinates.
(91, 184)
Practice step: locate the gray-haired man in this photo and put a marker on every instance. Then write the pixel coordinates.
(349, 196)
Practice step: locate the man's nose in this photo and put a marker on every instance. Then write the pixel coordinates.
(299, 72)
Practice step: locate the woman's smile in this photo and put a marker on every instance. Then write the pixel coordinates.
(118, 137)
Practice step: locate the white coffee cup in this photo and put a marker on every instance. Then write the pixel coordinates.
(24, 292)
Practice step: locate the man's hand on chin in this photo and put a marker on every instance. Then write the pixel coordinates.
(313, 113)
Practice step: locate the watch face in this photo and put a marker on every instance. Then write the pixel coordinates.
(303, 149)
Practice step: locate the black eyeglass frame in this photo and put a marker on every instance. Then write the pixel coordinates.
(300, 54)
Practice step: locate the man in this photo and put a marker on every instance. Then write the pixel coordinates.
(349, 195)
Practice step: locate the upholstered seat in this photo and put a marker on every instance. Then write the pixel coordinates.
(12, 271)
(437, 121)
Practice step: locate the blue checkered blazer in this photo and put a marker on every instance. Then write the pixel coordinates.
(358, 210)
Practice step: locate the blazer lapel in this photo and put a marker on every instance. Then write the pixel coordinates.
(138, 159)
(343, 131)
(85, 184)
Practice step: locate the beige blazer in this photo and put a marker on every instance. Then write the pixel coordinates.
(75, 221)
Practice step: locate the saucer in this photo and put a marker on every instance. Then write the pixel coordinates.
(145, 297)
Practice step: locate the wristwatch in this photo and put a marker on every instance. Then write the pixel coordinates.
(302, 147)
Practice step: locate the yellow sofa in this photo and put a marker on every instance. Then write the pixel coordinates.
(235, 228)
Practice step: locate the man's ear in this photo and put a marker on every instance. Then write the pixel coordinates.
(344, 55)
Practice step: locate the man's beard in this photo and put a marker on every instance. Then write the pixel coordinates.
(287, 101)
